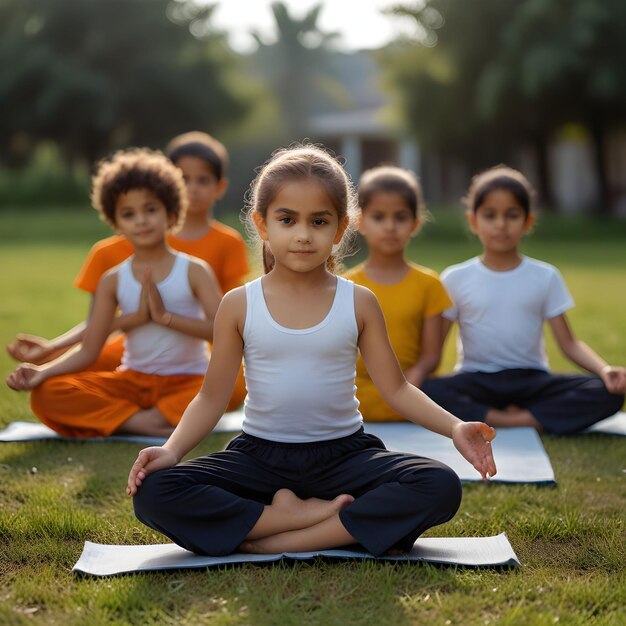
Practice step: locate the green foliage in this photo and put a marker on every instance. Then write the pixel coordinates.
(45, 180)
(94, 75)
(487, 76)
(298, 69)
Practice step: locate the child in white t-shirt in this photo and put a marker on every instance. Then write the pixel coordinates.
(501, 300)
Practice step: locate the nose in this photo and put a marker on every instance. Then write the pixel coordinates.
(303, 235)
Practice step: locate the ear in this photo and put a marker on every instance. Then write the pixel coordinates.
(416, 227)
(530, 222)
(471, 220)
(259, 222)
(360, 222)
(221, 187)
(341, 230)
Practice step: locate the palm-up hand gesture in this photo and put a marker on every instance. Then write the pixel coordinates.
(473, 441)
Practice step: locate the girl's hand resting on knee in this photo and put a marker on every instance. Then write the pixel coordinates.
(614, 378)
(25, 377)
(149, 460)
(472, 440)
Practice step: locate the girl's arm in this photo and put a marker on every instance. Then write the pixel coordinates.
(209, 405)
(34, 349)
(204, 287)
(38, 350)
(446, 325)
(431, 351)
(470, 438)
(582, 355)
(27, 376)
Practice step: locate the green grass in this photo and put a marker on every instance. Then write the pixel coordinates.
(570, 539)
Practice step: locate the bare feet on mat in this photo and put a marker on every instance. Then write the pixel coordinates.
(308, 512)
(327, 534)
(149, 423)
(512, 416)
(287, 513)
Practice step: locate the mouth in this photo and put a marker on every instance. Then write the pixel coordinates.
(303, 252)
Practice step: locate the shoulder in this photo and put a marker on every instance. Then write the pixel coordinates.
(226, 233)
(233, 305)
(365, 301)
(112, 245)
(423, 274)
(453, 272)
(541, 266)
(355, 273)
(109, 281)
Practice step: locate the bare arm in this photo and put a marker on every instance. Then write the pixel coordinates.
(432, 344)
(584, 356)
(205, 410)
(27, 376)
(204, 287)
(470, 438)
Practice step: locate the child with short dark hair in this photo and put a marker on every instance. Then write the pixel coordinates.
(501, 300)
(203, 161)
(411, 296)
(167, 302)
(303, 475)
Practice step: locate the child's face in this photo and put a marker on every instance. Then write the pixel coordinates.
(387, 223)
(301, 226)
(500, 222)
(203, 188)
(142, 218)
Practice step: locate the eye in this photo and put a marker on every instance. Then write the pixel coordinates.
(286, 220)
(319, 222)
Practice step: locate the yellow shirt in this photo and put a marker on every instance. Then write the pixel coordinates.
(405, 305)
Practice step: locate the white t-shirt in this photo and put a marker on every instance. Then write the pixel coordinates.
(501, 314)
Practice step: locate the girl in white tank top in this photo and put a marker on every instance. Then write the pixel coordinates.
(299, 328)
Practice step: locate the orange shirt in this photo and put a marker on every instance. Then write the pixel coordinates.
(222, 248)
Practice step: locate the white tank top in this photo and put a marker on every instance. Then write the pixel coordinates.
(156, 349)
(301, 382)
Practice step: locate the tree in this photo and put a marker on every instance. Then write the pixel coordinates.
(297, 68)
(501, 74)
(93, 75)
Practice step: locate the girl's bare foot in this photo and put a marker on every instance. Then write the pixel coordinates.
(287, 512)
(308, 512)
(512, 416)
(327, 534)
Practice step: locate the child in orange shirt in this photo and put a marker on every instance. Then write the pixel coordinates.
(203, 161)
(412, 297)
(167, 302)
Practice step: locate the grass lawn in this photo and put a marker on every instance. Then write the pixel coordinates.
(53, 496)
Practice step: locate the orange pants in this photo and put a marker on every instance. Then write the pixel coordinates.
(96, 404)
(111, 357)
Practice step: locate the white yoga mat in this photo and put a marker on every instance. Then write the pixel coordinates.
(518, 452)
(33, 431)
(107, 560)
(614, 425)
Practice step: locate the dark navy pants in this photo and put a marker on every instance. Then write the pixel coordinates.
(562, 404)
(210, 504)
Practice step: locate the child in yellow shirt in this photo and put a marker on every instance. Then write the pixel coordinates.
(412, 297)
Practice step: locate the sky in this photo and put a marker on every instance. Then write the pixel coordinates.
(360, 22)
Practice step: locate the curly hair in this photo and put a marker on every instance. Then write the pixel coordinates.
(138, 168)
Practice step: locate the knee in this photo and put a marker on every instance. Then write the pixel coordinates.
(148, 501)
(446, 490)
